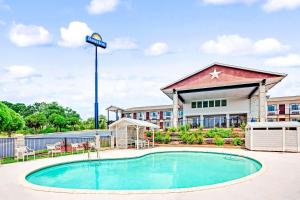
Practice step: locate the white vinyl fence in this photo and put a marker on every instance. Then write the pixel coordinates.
(273, 136)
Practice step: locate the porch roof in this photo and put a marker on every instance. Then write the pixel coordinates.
(134, 122)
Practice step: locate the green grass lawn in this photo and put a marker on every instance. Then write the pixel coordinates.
(40, 155)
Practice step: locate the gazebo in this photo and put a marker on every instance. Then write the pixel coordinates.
(131, 132)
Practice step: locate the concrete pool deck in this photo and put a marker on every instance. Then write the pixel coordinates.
(279, 180)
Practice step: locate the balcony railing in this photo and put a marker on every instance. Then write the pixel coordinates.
(286, 111)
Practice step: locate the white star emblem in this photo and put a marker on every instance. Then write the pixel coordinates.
(214, 74)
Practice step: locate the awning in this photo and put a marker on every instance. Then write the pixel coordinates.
(134, 122)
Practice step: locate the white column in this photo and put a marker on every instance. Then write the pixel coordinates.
(262, 102)
(201, 120)
(175, 109)
(298, 139)
(153, 137)
(137, 137)
(227, 121)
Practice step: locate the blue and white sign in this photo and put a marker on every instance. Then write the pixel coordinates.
(96, 40)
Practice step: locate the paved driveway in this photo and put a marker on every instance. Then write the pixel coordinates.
(280, 180)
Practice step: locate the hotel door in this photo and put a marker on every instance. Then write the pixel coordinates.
(281, 109)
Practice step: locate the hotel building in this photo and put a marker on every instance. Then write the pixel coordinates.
(218, 95)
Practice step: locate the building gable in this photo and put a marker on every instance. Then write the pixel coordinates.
(219, 74)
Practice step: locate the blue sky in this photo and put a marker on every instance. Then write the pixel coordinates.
(43, 56)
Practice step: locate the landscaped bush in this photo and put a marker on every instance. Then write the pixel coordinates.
(221, 132)
(200, 139)
(237, 141)
(158, 137)
(219, 141)
(234, 134)
(191, 139)
(184, 128)
(183, 136)
(243, 126)
(149, 133)
(166, 139)
(172, 129)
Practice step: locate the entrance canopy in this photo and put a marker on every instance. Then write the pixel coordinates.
(237, 91)
(129, 131)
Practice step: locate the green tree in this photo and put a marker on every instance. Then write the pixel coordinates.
(10, 121)
(58, 121)
(5, 117)
(52, 108)
(90, 124)
(102, 122)
(36, 121)
(73, 121)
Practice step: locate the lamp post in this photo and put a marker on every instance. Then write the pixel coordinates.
(96, 40)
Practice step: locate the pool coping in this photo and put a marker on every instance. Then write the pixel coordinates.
(35, 187)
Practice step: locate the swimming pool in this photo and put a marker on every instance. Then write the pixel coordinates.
(161, 170)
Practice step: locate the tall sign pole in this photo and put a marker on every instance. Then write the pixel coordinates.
(96, 40)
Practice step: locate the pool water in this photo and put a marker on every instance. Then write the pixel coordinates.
(164, 170)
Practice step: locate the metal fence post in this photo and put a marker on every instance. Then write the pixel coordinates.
(66, 145)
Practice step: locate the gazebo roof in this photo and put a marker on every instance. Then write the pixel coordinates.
(134, 122)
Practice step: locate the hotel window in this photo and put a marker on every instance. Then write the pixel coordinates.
(271, 108)
(167, 115)
(194, 104)
(294, 109)
(153, 115)
(199, 104)
(294, 106)
(167, 124)
(128, 115)
(205, 104)
(211, 103)
(217, 103)
(140, 116)
(180, 114)
(224, 102)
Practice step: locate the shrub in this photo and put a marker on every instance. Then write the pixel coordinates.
(200, 128)
(191, 139)
(243, 126)
(234, 134)
(183, 136)
(221, 132)
(237, 141)
(172, 129)
(166, 139)
(149, 133)
(184, 128)
(200, 139)
(219, 141)
(158, 137)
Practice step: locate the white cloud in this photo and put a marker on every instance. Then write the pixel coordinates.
(223, 2)
(102, 6)
(237, 45)
(74, 34)
(275, 5)
(19, 71)
(284, 61)
(29, 35)
(268, 45)
(157, 49)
